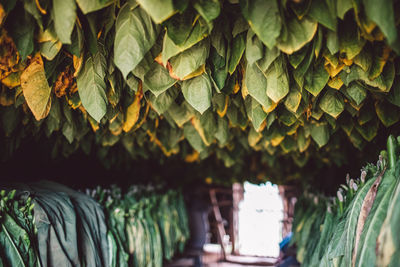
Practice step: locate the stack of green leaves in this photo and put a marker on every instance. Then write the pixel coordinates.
(144, 227)
(356, 228)
(18, 242)
(198, 78)
(48, 224)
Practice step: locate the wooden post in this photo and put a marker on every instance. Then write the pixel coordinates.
(237, 196)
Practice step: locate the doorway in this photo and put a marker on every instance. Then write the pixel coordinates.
(260, 220)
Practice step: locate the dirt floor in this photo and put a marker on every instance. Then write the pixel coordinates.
(215, 260)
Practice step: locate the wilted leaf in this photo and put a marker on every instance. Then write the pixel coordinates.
(36, 88)
(132, 112)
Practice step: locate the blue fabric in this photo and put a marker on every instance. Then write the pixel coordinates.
(285, 240)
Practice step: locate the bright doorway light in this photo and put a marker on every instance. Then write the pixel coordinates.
(260, 220)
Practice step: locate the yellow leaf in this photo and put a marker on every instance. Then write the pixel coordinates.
(335, 82)
(192, 157)
(132, 113)
(245, 91)
(222, 113)
(2, 14)
(36, 88)
(41, 9)
(270, 108)
(196, 73)
(197, 125)
(236, 88)
(77, 64)
(12, 80)
(276, 140)
(333, 71)
(93, 123)
(347, 62)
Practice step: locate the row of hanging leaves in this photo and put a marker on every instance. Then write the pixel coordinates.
(284, 77)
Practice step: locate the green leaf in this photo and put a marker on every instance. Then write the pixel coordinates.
(357, 92)
(316, 80)
(190, 60)
(342, 7)
(162, 102)
(332, 42)
(368, 130)
(135, 35)
(157, 79)
(320, 133)
(296, 58)
(236, 52)
(269, 57)
(383, 82)
(159, 10)
(181, 113)
(350, 41)
(366, 251)
(255, 113)
(296, 34)
(88, 6)
(193, 137)
(277, 80)
(384, 17)
(387, 113)
(394, 94)
(197, 92)
(287, 118)
(256, 84)
(222, 133)
(23, 27)
(208, 9)
(264, 19)
(292, 101)
(180, 26)
(170, 49)
(323, 13)
(91, 86)
(254, 47)
(332, 103)
(64, 12)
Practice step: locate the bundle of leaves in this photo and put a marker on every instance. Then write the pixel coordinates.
(48, 224)
(145, 226)
(18, 234)
(198, 78)
(356, 228)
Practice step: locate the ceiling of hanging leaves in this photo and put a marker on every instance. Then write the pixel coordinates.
(194, 79)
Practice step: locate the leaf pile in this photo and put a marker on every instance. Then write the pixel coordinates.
(48, 224)
(161, 78)
(357, 227)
